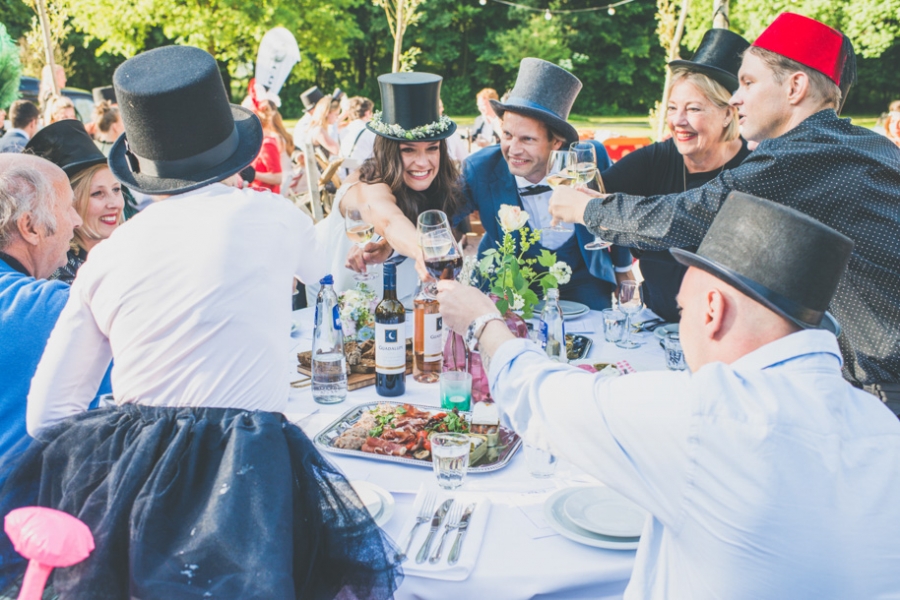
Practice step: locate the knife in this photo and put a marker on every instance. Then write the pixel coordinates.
(463, 527)
(435, 525)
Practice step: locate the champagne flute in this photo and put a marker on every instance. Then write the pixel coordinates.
(630, 304)
(560, 173)
(443, 259)
(587, 174)
(360, 233)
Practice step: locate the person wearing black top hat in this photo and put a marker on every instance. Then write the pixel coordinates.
(705, 141)
(409, 172)
(764, 473)
(514, 173)
(794, 79)
(194, 484)
(309, 98)
(98, 196)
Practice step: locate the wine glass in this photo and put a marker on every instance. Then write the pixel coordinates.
(360, 233)
(630, 304)
(443, 260)
(587, 174)
(560, 173)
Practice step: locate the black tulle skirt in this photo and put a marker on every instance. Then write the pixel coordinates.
(199, 503)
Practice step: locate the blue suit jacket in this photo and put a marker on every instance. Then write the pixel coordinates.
(489, 184)
(13, 141)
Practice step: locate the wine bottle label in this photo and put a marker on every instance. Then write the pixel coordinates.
(390, 348)
(434, 325)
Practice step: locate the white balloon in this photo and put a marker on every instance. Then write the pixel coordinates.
(278, 53)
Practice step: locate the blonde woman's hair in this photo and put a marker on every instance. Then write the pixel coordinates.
(324, 107)
(81, 186)
(715, 92)
(55, 105)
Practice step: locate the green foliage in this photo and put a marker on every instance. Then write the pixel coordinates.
(10, 69)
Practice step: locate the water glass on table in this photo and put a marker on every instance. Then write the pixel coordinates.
(456, 390)
(674, 353)
(450, 458)
(613, 324)
(541, 463)
(630, 304)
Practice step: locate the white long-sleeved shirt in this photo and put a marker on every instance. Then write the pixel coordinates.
(768, 478)
(193, 301)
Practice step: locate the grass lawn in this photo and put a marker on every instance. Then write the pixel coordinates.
(631, 126)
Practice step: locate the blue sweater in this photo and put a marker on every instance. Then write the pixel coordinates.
(29, 309)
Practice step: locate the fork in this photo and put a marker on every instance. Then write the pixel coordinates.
(452, 523)
(424, 515)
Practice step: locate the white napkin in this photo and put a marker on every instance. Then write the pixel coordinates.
(471, 544)
(580, 326)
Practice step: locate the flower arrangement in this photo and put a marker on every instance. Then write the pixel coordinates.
(511, 275)
(425, 131)
(357, 309)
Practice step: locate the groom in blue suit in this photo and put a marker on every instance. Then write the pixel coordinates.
(534, 124)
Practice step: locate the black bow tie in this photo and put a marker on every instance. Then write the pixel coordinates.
(534, 190)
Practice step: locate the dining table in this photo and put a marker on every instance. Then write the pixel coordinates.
(519, 554)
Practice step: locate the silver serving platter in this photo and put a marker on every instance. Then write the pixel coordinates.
(495, 458)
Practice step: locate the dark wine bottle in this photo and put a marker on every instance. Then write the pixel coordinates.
(390, 339)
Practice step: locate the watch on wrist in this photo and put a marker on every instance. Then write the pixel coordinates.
(475, 329)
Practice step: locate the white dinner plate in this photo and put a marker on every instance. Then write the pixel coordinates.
(555, 514)
(569, 309)
(377, 500)
(602, 510)
(661, 331)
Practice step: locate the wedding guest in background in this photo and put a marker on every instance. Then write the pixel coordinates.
(192, 301)
(24, 118)
(309, 98)
(358, 142)
(764, 473)
(107, 125)
(324, 116)
(268, 164)
(98, 196)
(486, 130)
(59, 108)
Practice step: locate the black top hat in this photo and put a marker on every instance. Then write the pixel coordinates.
(718, 56)
(780, 257)
(311, 97)
(545, 92)
(107, 92)
(67, 145)
(180, 131)
(410, 108)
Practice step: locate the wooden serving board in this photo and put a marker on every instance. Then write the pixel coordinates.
(361, 380)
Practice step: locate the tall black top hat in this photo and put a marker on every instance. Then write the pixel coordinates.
(411, 108)
(67, 145)
(106, 92)
(180, 131)
(778, 256)
(718, 56)
(545, 92)
(311, 97)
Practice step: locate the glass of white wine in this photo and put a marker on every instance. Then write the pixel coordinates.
(586, 174)
(360, 233)
(560, 173)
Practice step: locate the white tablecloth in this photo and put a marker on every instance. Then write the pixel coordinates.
(522, 557)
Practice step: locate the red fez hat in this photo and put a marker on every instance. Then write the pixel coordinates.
(806, 41)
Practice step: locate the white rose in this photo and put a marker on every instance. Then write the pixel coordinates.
(512, 217)
(562, 272)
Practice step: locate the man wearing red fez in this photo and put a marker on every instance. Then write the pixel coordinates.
(792, 83)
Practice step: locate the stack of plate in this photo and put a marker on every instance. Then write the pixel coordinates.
(570, 309)
(377, 500)
(596, 516)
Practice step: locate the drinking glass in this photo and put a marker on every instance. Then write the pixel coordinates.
(560, 172)
(541, 463)
(360, 233)
(613, 321)
(674, 353)
(456, 390)
(443, 260)
(587, 174)
(450, 458)
(630, 304)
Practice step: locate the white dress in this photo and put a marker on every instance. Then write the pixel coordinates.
(332, 233)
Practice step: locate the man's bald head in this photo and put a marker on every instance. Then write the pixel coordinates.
(720, 323)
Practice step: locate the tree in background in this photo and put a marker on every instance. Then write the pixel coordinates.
(400, 15)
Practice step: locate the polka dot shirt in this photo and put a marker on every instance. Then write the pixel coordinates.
(846, 177)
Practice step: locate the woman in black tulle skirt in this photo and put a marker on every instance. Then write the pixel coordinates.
(194, 485)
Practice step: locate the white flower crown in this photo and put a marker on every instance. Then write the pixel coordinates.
(424, 131)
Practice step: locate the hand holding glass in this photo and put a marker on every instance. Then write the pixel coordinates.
(630, 304)
(443, 260)
(560, 173)
(360, 233)
(586, 173)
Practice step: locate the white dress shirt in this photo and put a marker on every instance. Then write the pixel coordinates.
(192, 300)
(538, 208)
(768, 478)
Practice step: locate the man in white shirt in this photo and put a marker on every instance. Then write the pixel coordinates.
(357, 141)
(766, 475)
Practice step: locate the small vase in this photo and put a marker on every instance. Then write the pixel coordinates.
(458, 358)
